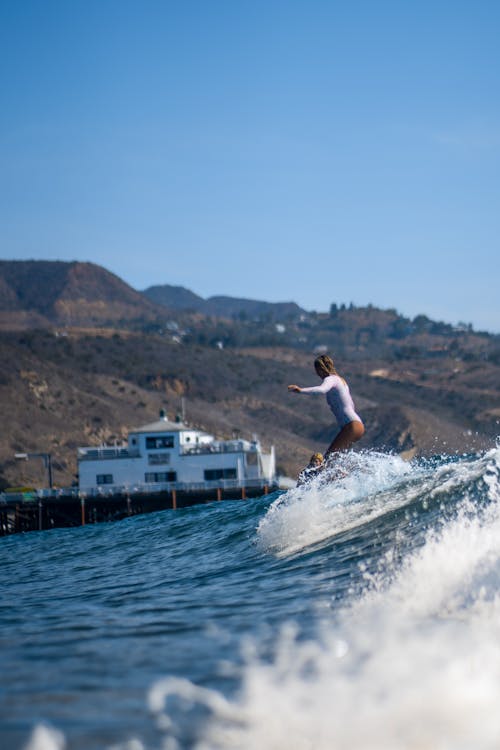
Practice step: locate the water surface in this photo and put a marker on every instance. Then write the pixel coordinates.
(363, 613)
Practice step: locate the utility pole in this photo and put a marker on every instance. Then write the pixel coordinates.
(46, 458)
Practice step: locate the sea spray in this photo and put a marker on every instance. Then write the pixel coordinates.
(357, 614)
(326, 506)
(46, 738)
(413, 663)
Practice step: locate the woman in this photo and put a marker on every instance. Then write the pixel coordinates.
(340, 402)
(312, 469)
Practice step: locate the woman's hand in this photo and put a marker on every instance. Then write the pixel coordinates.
(294, 389)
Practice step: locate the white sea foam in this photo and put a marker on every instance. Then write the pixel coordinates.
(321, 509)
(413, 664)
(46, 738)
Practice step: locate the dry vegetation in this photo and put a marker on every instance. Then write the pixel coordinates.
(61, 391)
(421, 386)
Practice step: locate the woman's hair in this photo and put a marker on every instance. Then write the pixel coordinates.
(316, 458)
(325, 364)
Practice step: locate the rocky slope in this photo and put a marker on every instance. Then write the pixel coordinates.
(39, 294)
(180, 298)
(84, 358)
(59, 392)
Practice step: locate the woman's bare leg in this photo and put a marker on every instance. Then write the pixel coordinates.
(348, 435)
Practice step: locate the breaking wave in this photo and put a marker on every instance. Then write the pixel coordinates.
(397, 567)
(414, 661)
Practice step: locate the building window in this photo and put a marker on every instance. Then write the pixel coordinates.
(104, 479)
(155, 443)
(213, 474)
(154, 459)
(160, 476)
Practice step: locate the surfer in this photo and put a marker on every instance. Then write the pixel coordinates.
(340, 402)
(311, 470)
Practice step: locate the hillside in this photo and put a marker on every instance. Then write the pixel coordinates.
(62, 391)
(365, 333)
(84, 358)
(182, 299)
(38, 294)
(175, 297)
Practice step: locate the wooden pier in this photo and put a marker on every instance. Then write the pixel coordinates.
(42, 510)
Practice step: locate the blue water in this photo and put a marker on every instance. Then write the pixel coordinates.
(363, 613)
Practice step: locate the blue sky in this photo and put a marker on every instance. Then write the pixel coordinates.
(310, 151)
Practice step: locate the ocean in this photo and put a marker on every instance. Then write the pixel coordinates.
(361, 613)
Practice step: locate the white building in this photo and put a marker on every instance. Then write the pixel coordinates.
(171, 455)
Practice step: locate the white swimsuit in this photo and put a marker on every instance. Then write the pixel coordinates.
(338, 398)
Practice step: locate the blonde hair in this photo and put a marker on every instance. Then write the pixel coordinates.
(316, 457)
(325, 364)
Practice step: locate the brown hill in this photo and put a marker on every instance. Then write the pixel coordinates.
(46, 293)
(60, 391)
(111, 359)
(180, 298)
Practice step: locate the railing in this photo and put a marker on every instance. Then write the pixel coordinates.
(190, 487)
(21, 497)
(91, 454)
(108, 490)
(201, 449)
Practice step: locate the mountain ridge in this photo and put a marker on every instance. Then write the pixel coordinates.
(224, 306)
(36, 293)
(61, 391)
(84, 357)
(45, 293)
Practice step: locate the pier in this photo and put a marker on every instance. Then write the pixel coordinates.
(40, 510)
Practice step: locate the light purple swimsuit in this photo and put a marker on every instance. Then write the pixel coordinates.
(338, 398)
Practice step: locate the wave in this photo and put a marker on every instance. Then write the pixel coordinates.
(412, 663)
(327, 506)
(372, 486)
(411, 659)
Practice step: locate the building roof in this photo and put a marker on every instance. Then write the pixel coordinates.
(163, 425)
